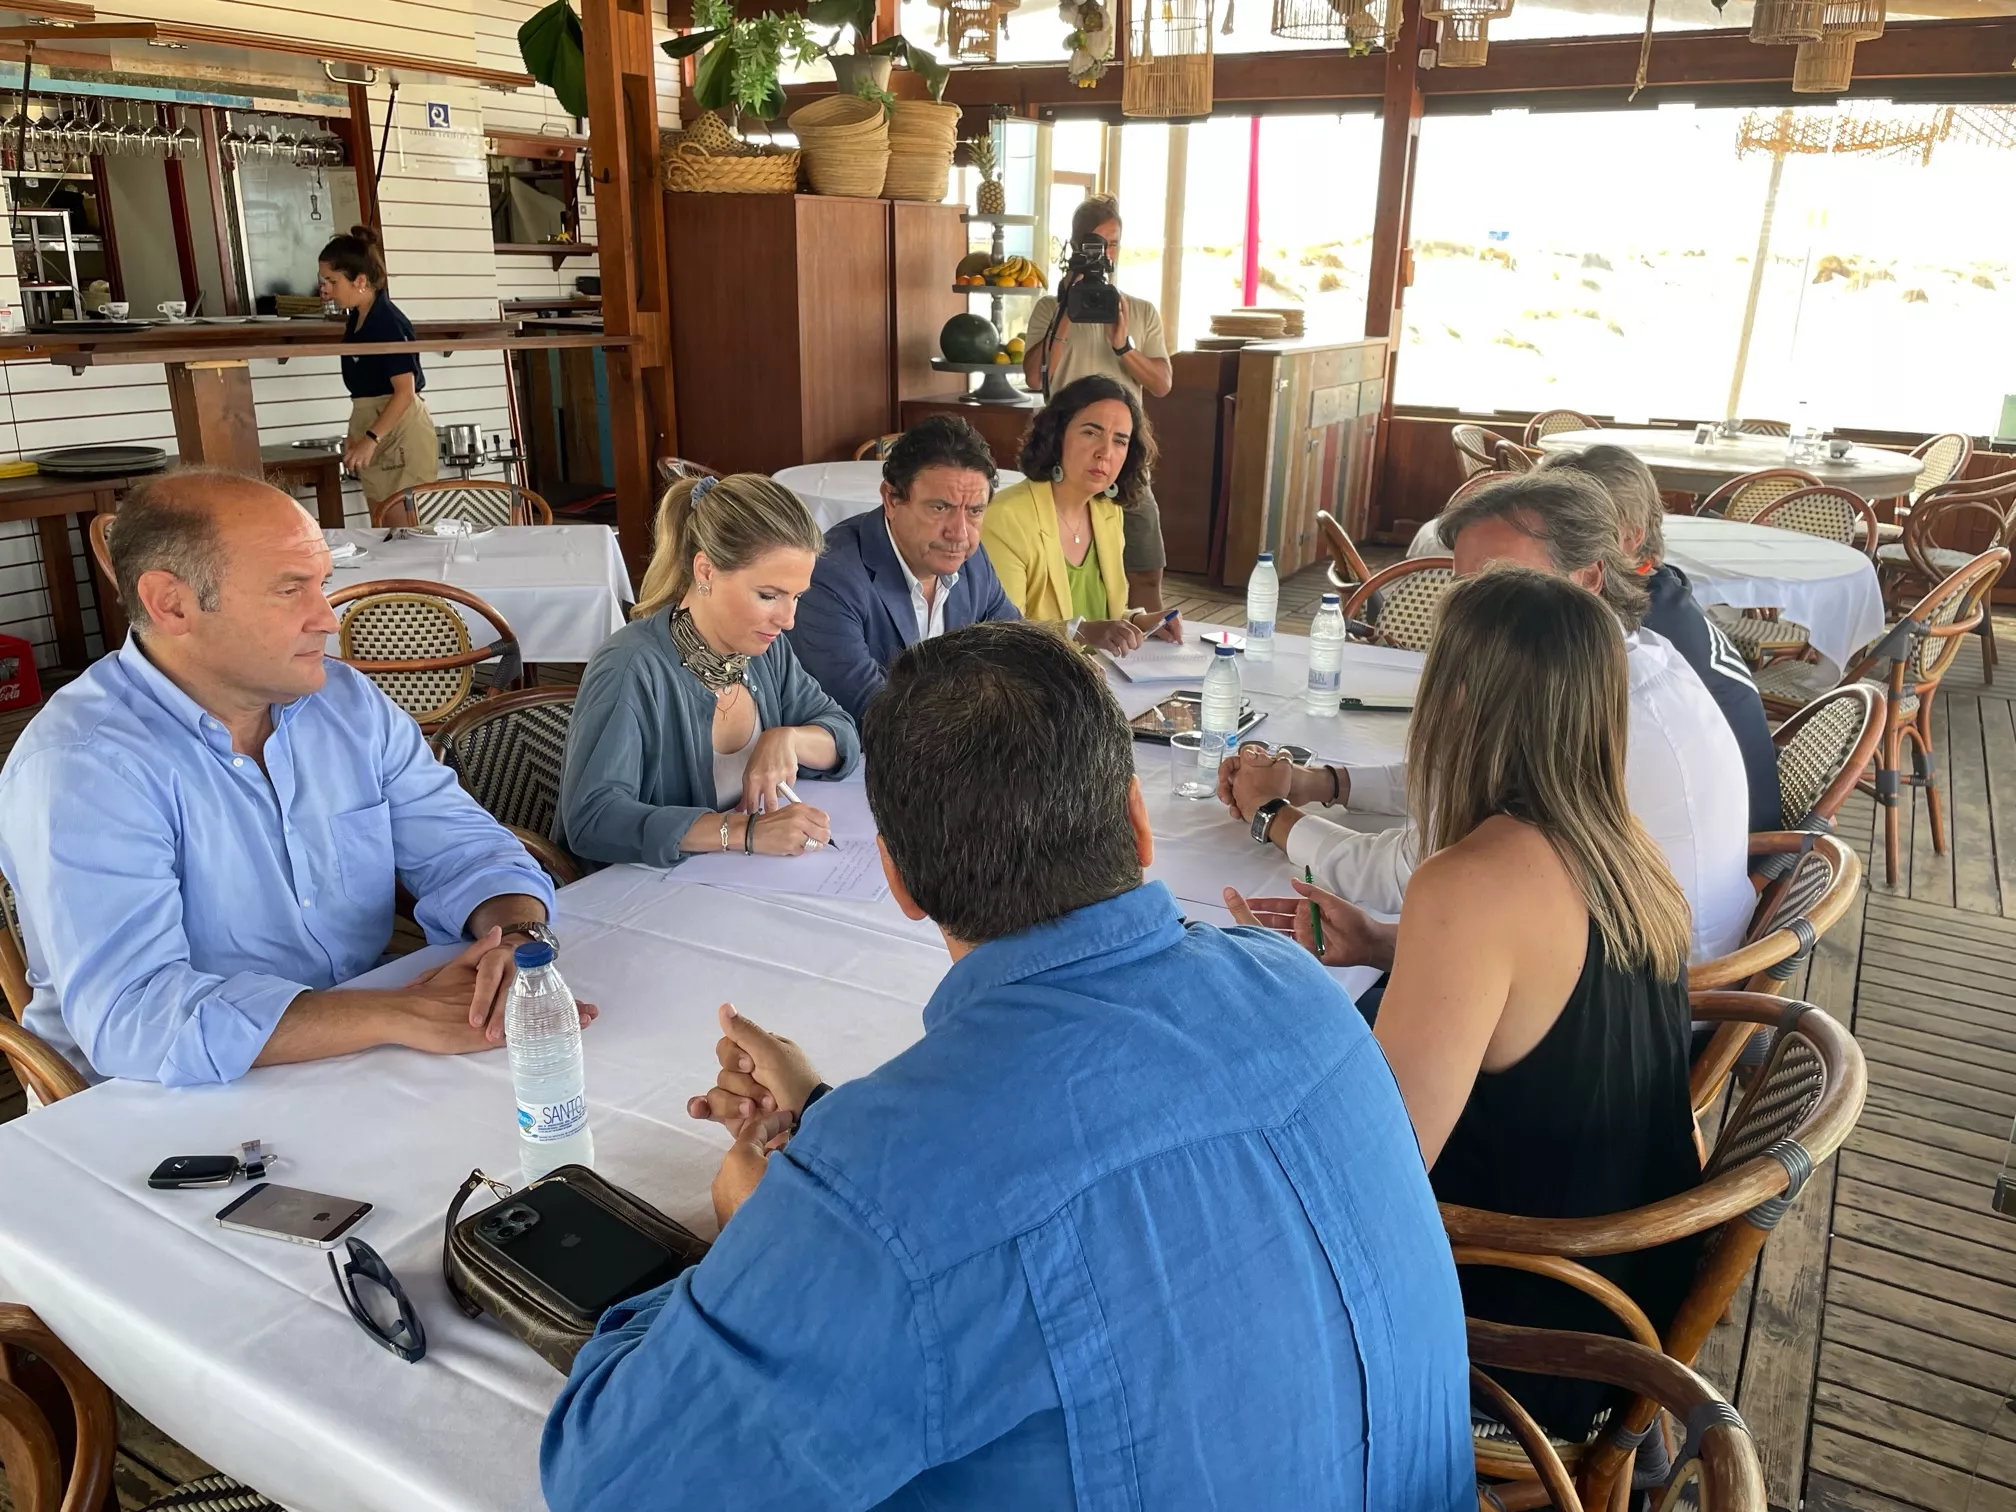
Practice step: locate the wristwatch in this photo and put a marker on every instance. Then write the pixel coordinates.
(1122, 351)
(1263, 818)
(534, 929)
(372, 434)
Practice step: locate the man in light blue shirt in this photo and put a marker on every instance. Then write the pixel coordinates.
(205, 830)
(1139, 1223)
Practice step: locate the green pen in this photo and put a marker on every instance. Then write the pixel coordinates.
(1315, 918)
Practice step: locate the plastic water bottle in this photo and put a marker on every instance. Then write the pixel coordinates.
(1223, 701)
(1326, 658)
(1263, 596)
(542, 1029)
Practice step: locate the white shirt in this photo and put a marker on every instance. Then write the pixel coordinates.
(931, 616)
(1683, 774)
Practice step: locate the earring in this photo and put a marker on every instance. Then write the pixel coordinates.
(1056, 475)
(706, 588)
(1112, 490)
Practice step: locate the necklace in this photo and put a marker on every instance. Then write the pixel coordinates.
(717, 673)
(1078, 530)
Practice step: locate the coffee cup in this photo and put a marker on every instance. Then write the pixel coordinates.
(7, 321)
(1838, 450)
(115, 309)
(174, 309)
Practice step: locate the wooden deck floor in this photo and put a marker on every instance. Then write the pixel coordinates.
(1873, 1351)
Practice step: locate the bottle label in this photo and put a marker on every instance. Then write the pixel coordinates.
(548, 1123)
(1326, 682)
(1257, 629)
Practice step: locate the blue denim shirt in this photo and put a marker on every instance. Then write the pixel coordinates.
(174, 900)
(1140, 1223)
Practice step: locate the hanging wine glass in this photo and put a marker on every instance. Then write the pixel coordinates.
(184, 142)
(232, 143)
(103, 136)
(131, 138)
(285, 146)
(154, 138)
(72, 130)
(331, 155)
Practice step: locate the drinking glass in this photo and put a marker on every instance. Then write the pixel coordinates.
(1187, 775)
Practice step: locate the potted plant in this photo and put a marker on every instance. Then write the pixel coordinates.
(871, 63)
(740, 59)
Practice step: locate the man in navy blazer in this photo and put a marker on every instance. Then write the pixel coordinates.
(906, 572)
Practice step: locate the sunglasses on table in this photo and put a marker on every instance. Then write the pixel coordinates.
(404, 1337)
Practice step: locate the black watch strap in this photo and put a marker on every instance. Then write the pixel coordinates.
(1263, 819)
(372, 434)
(1122, 351)
(813, 1096)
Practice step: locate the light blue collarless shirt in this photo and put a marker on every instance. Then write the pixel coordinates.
(175, 898)
(1140, 1223)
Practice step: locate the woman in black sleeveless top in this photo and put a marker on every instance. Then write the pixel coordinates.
(1536, 1016)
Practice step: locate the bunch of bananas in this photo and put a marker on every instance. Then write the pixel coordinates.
(1011, 273)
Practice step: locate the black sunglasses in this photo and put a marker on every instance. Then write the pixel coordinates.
(406, 1338)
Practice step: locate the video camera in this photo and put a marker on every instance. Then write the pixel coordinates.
(1086, 291)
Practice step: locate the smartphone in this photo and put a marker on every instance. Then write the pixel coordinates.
(1184, 711)
(193, 1171)
(577, 1253)
(283, 1212)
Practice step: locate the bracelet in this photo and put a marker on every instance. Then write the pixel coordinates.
(724, 833)
(1336, 789)
(372, 434)
(749, 837)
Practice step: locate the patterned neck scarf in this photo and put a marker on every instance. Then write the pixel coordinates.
(716, 672)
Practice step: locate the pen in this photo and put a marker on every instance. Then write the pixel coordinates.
(786, 789)
(1315, 918)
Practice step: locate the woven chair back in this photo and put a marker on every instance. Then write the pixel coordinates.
(1553, 422)
(1954, 607)
(1764, 427)
(1821, 753)
(482, 504)
(1347, 568)
(875, 449)
(1747, 497)
(13, 954)
(1400, 602)
(1833, 514)
(670, 470)
(508, 753)
(1944, 457)
(393, 627)
(1476, 448)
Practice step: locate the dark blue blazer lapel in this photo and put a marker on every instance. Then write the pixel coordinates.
(886, 580)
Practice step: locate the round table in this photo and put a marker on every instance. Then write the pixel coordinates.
(1829, 588)
(1683, 467)
(835, 490)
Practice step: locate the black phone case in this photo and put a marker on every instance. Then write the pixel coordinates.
(179, 1171)
(580, 1255)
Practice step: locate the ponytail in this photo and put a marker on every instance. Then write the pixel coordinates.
(731, 520)
(360, 254)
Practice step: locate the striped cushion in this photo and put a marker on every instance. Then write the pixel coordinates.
(214, 1493)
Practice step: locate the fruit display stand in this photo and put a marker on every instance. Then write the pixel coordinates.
(998, 248)
(994, 385)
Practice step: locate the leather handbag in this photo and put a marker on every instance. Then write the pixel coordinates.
(481, 1283)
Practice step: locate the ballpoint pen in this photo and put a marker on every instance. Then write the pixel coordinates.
(1315, 918)
(786, 790)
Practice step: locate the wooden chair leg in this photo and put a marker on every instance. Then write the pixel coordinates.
(1888, 780)
(1987, 633)
(1925, 765)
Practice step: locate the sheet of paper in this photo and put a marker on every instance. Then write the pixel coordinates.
(1162, 661)
(1378, 673)
(849, 868)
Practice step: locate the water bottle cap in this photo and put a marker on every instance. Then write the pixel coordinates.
(1332, 598)
(1266, 556)
(1224, 650)
(533, 953)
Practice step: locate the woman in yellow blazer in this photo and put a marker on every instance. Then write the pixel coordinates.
(1055, 539)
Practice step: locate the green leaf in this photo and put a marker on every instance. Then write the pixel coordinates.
(691, 43)
(859, 14)
(550, 44)
(926, 66)
(714, 79)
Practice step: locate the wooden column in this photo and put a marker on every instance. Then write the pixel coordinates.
(178, 216)
(1392, 216)
(231, 296)
(630, 230)
(362, 161)
(215, 421)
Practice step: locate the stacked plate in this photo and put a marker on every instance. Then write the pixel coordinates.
(1290, 313)
(1252, 325)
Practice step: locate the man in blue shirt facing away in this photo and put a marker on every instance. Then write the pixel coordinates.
(205, 829)
(1139, 1223)
(906, 572)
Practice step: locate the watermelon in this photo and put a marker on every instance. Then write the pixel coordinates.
(969, 338)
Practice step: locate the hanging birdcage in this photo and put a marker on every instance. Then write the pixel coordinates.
(1464, 32)
(1828, 65)
(1780, 23)
(1168, 69)
(971, 30)
(1360, 24)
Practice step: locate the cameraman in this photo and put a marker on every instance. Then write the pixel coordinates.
(1132, 353)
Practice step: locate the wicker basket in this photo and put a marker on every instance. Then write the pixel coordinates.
(690, 169)
(1783, 22)
(851, 169)
(915, 125)
(1167, 89)
(837, 116)
(711, 134)
(917, 176)
(1823, 67)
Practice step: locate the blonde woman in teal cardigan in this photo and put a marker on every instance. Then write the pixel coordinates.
(1055, 539)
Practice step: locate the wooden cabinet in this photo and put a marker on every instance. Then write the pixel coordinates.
(798, 319)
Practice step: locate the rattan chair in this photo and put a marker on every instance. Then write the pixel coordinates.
(1823, 750)
(35, 1450)
(507, 751)
(481, 502)
(13, 954)
(1717, 1460)
(1916, 560)
(1553, 422)
(406, 635)
(1908, 664)
(670, 470)
(1800, 1106)
(1833, 514)
(877, 447)
(1480, 450)
(1764, 427)
(1942, 459)
(1744, 498)
(1399, 602)
(1346, 568)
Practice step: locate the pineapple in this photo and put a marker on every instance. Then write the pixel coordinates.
(993, 199)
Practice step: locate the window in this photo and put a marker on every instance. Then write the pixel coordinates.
(1605, 262)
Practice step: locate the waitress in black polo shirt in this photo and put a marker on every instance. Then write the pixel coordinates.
(390, 444)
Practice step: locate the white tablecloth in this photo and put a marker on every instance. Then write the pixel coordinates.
(562, 588)
(835, 490)
(239, 1346)
(1829, 588)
